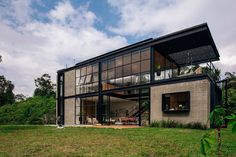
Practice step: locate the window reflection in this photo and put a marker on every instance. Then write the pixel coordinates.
(87, 79)
(125, 70)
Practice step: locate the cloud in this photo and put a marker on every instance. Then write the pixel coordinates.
(65, 14)
(154, 18)
(30, 48)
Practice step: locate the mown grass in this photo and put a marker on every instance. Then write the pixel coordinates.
(50, 141)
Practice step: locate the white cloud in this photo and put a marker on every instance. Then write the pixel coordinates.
(157, 17)
(28, 50)
(65, 14)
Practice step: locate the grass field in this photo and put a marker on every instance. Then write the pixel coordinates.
(50, 141)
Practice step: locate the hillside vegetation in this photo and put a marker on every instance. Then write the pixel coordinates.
(34, 110)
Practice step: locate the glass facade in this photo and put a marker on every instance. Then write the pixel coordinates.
(87, 79)
(86, 110)
(163, 67)
(125, 70)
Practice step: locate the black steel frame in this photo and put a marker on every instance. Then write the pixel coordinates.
(149, 43)
(60, 99)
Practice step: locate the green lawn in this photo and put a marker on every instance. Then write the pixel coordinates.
(50, 141)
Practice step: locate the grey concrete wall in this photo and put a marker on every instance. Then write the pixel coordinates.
(70, 111)
(199, 102)
(69, 83)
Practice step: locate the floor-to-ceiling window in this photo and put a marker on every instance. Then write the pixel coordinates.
(86, 110)
(87, 79)
(163, 67)
(126, 107)
(125, 70)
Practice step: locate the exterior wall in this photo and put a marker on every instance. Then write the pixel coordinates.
(69, 83)
(70, 111)
(199, 102)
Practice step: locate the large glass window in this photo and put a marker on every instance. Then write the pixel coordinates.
(86, 110)
(163, 67)
(173, 102)
(87, 79)
(125, 70)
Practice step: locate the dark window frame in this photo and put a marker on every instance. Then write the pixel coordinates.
(179, 110)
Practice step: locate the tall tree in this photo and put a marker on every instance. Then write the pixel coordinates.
(6, 91)
(231, 89)
(44, 86)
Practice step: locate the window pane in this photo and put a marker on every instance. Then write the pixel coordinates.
(95, 68)
(127, 58)
(111, 64)
(104, 65)
(77, 81)
(119, 61)
(111, 74)
(89, 88)
(145, 54)
(77, 89)
(89, 69)
(135, 56)
(135, 79)
(127, 81)
(136, 68)
(83, 89)
(118, 72)
(83, 71)
(95, 77)
(95, 87)
(82, 80)
(119, 82)
(145, 66)
(127, 70)
(88, 78)
(104, 75)
(145, 78)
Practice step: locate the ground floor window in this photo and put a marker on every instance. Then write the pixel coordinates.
(126, 107)
(86, 110)
(172, 102)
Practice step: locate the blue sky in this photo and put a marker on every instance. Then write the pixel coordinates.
(42, 36)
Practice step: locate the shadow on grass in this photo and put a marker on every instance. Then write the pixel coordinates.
(12, 128)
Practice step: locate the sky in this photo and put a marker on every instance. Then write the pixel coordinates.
(43, 36)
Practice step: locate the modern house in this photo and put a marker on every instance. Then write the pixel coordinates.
(170, 77)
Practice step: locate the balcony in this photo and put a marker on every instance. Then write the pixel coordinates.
(191, 70)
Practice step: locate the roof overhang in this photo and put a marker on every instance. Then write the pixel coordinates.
(188, 47)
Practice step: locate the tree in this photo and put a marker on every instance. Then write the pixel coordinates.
(44, 86)
(19, 97)
(231, 88)
(6, 91)
(217, 117)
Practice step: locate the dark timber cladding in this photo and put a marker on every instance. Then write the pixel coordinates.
(195, 42)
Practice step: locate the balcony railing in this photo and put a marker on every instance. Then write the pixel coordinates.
(207, 68)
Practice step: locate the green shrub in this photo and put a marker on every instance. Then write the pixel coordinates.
(175, 124)
(35, 110)
(155, 124)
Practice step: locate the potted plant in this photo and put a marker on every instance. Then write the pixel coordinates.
(158, 69)
(180, 106)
